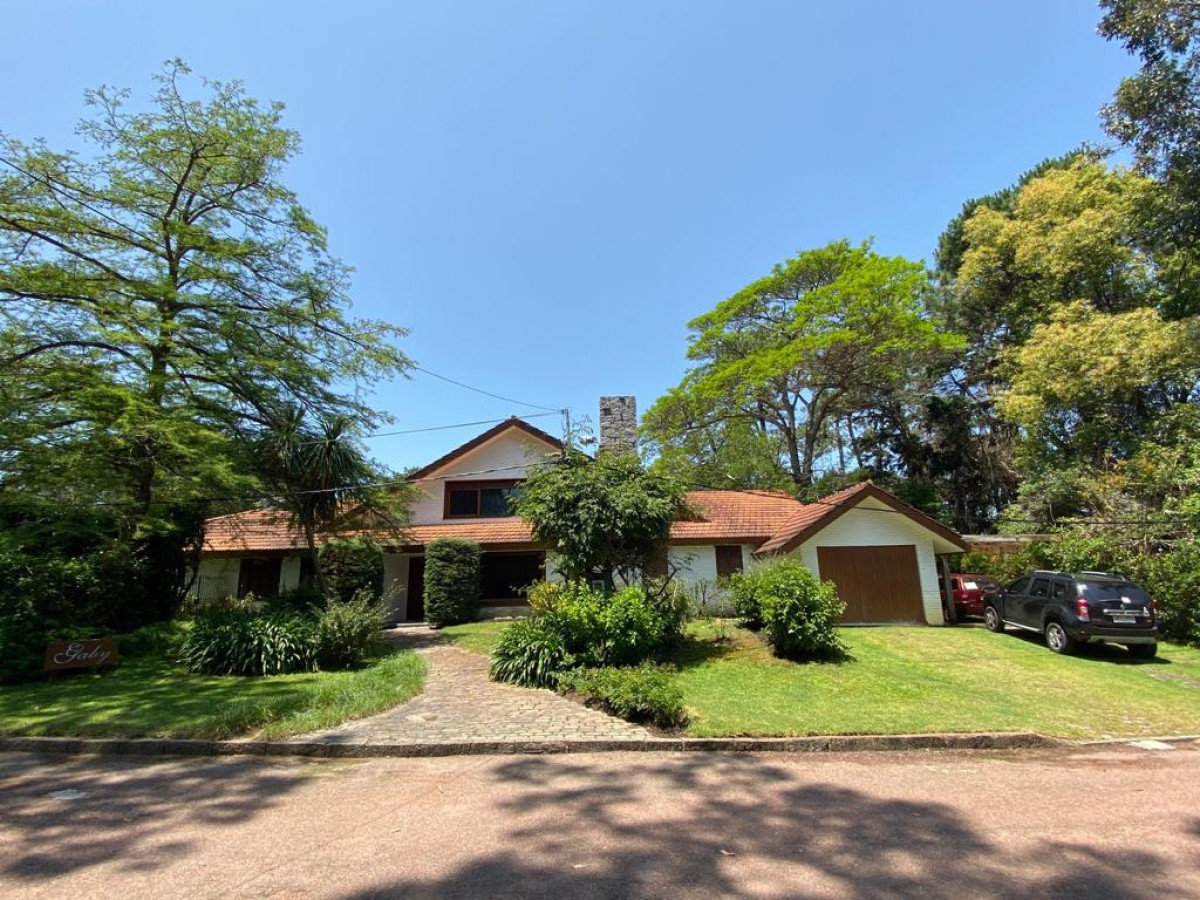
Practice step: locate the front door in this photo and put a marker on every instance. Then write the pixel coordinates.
(416, 590)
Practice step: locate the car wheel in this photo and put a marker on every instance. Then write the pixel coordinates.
(1142, 651)
(1057, 638)
(991, 619)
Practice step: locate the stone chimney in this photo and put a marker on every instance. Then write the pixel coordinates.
(618, 423)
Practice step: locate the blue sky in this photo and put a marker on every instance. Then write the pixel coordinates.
(546, 192)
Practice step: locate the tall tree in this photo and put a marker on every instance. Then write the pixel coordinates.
(1156, 112)
(830, 333)
(164, 297)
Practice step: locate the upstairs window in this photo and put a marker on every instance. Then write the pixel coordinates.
(479, 499)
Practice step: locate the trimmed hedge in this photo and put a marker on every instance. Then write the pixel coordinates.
(645, 693)
(453, 581)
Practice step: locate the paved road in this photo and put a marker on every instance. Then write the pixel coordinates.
(1112, 823)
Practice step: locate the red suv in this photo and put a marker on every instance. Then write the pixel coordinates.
(969, 591)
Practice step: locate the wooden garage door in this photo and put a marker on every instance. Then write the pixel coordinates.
(877, 584)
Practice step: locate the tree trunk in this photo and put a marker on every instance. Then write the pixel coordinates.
(310, 538)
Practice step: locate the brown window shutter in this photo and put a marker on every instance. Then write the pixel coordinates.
(729, 559)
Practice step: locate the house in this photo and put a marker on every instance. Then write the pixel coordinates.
(882, 553)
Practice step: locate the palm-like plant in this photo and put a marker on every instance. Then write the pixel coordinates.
(321, 478)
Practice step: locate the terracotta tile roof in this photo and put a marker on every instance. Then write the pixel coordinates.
(720, 515)
(255, 530)
(809, 514)
(770, 518)
(812, 517)
(511, 530)
(752, 516)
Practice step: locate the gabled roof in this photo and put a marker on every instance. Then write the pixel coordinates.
(812, 517)
(771, 520)
(481, 439)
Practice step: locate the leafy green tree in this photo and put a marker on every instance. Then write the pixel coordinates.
(733, 454)
(164, 297)
(1156, 111)
(1086, 384)
(952, 243)
(601, 517)
(830, 333)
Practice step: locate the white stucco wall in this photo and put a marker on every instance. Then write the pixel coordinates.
(871, 524)
(216, 578)
(289, 573)
(513, 448)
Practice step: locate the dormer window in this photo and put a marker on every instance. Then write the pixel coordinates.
(479, 499)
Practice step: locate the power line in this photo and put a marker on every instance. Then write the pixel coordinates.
(379, 434)
(489, 393)
(274, 495)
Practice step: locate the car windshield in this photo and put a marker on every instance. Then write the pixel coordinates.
(1112, 590)
(988, 584)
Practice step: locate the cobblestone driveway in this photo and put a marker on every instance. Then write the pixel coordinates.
(460, 705)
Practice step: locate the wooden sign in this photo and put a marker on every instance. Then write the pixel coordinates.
(86, 654)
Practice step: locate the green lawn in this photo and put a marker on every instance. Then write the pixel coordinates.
(478, 637)
(923, 680)
(152, 698)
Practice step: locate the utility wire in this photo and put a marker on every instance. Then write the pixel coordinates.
(379, 434)
(489, 393)
(274, 495)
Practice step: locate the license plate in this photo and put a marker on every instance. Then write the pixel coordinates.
(1124, 620)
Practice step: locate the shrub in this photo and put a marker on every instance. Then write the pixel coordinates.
(452, 581)
(531, 653)
(304, 598)
(621, 628)
(248, 642)
(346, 633)
(799, 613)
(544, 597)
(645, 693)
(351, 565)
(162, 639)
(745, 595)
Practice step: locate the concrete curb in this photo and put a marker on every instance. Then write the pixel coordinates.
(327, 750)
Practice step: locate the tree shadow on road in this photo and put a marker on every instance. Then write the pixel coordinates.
(580, 832)
(112, 808)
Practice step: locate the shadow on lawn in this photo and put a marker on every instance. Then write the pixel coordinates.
(124, 812)
(137, 699)
(579, 832)
(1107, 653)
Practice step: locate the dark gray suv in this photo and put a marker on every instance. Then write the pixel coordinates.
(1071, 609)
